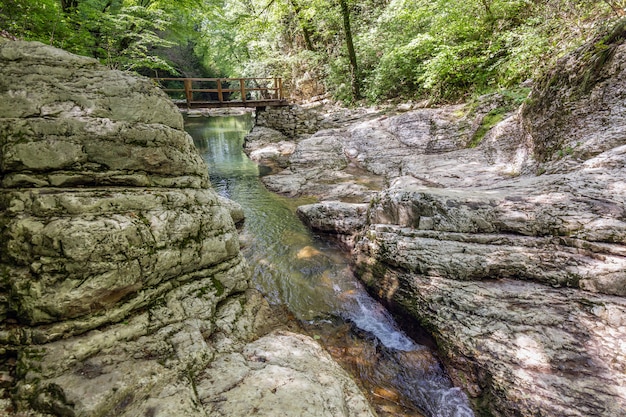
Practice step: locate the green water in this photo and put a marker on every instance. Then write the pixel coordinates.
(290, 265)
(312, 277)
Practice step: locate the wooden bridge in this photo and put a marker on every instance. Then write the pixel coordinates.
(224, 92)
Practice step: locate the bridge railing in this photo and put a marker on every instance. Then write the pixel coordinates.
(223, 92)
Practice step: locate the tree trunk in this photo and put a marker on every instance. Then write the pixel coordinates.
(304, 25)
(69, 5)
(354, 69)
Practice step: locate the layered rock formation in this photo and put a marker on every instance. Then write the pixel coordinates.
(510, 248)
(123, 291)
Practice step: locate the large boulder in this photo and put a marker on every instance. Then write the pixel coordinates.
(121, 278)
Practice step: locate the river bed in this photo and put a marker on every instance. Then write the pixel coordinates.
(311, 276)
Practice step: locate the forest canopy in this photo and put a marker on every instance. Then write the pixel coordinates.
(373, 50)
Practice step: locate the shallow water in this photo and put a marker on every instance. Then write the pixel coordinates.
(312, 277)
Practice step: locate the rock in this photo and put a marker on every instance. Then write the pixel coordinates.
(269, 148)
(334, 216)
(105, 215)
(353, 162)
(520, 347)
(235, 209)
(55, 136)
(123, 288)
(521, 280)
(270, 373)
(308, 252)
(320, 166)
(577, 110)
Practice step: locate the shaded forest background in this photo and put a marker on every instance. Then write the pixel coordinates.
(353, 51)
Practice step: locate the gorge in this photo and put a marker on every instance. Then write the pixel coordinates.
(124, 291)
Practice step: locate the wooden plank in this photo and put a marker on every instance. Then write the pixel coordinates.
(220, 95)
(188, 91)
(242, 84)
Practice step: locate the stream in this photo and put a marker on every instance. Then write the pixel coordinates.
(312, 278)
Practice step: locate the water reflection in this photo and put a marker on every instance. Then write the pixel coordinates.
(312, 277)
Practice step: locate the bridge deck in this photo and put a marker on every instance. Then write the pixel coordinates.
(233, 103)
(224, 92)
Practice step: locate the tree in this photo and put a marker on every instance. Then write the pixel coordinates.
(304, 25)
(355, 76)
(69, 6)
(444, 50)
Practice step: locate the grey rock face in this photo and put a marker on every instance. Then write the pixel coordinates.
(121, 279)
(105, 216)
(334, 217)
(521, 280)
(519, 347)
(80, 124)
(74, 253)
(578, 110)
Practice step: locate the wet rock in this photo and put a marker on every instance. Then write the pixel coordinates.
(334, 216)
(235, 209)
(520, 347)
(269, 148)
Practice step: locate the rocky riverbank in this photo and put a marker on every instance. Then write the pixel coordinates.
(123, 291)
(500, 228)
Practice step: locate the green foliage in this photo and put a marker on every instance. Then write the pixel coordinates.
(35, 20)
(122, 34)
(126, 37)
(443, 50)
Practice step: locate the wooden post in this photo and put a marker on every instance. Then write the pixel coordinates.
(188, 91)
(275, 95)
(242, 85)
(220, 95)
(281, 96)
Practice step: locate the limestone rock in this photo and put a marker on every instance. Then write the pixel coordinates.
(578, 109)
(353, 162)
(520, 347)
(521, 280)
(334, 216)
(104, 215)
(269, 148)
(272, 376)
(66, 130)
(235, 209)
